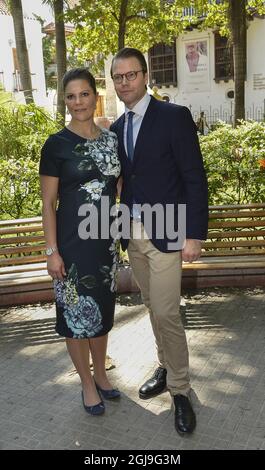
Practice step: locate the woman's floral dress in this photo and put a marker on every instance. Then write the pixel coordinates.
(87, 170)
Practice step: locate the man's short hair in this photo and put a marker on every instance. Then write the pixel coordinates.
(128, 52)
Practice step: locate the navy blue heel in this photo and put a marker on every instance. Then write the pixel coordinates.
(94, 410)
(109, 394)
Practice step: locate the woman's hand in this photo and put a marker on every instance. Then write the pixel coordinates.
(55, 266)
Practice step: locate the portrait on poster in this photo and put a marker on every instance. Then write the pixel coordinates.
(196, 64)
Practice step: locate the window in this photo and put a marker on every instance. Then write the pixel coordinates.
(162, 65)
(224, 67)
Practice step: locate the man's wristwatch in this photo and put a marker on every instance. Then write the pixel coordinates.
(50, 250)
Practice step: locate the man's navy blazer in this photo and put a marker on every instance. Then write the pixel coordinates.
(167, 168)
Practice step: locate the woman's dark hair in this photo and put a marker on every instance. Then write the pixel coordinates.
(128, 52)
(80, 73)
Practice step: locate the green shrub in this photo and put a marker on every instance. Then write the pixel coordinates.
(234, 160)
(5, 97)
(235, 163)
(23, 130)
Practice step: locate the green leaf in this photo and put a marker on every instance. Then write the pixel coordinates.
(72, 273)
(104, 269)
(88, 281)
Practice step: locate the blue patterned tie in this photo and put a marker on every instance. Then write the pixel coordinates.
(130, 146)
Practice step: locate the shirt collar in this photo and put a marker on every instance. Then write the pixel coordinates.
(140, 107)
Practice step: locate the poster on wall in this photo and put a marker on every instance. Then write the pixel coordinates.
(196, 65)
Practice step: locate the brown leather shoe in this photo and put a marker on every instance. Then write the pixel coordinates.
(185, 419)
(155, 385)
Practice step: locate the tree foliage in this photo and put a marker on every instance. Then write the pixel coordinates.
(234, 160)
(5, 97)
(23, 130)
(104, 27)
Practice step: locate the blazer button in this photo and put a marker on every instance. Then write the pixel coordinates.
(133, 176)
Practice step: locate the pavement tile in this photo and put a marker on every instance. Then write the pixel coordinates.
(40, 395)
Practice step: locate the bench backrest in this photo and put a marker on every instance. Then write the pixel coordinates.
(236, 230)
(233, 230)
(21, 241)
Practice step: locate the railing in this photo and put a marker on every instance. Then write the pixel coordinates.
(226, 113)
(193, 11)
(189, 11)
(17, 86)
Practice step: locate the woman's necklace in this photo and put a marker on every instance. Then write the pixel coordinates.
(95, 133)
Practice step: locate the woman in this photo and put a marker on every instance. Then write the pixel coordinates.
(78, 166)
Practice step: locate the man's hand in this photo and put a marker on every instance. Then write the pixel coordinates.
(192, 250)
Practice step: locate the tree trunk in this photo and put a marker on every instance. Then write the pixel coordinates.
(122, 24)
(238, 28)
(22, 52)
(60, 56)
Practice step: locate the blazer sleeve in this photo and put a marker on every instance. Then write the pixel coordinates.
(186, 150)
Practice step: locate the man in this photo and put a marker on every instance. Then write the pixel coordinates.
(202, 124)
(161, 164)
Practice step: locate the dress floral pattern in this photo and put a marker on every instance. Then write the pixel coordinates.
(87, 170)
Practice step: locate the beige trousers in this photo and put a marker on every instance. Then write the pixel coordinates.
(159, 278)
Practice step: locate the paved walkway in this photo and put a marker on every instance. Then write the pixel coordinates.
(40, 395)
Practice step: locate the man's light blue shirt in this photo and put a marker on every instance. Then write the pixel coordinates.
(139, 111)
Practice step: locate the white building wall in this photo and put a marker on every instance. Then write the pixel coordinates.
(255, 86)
(34, 44)
(6, 57)
(214, 100)
(213, 97)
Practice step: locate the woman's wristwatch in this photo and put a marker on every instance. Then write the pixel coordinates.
(50, 250)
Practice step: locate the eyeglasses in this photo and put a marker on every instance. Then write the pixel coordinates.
(130, 76)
